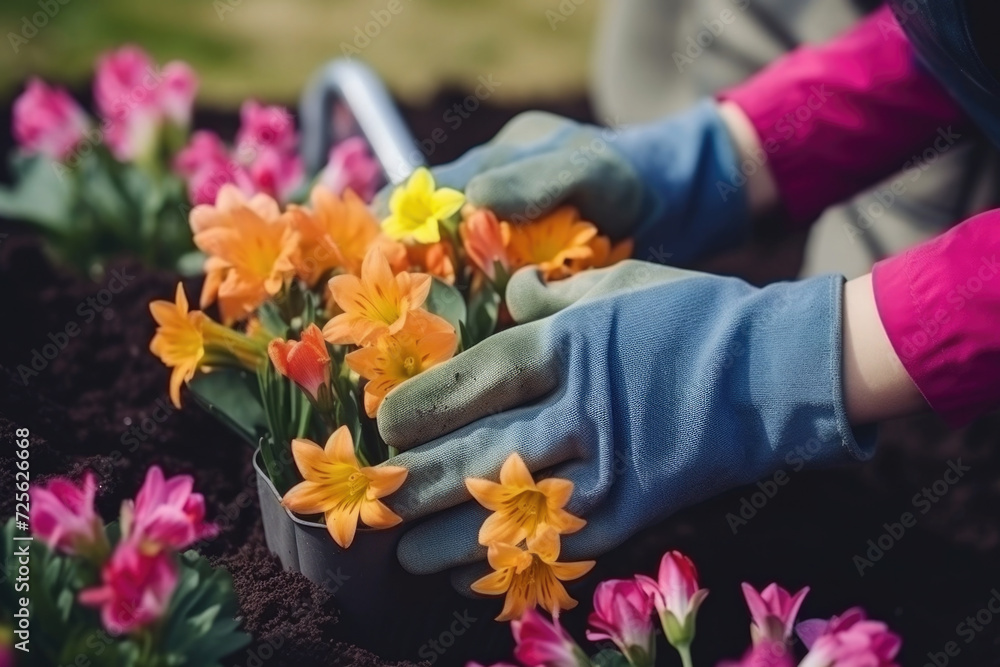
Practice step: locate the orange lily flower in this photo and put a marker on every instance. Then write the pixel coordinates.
(425, 341)
(521, 508)
(374, 304)
(335, 233)
(530, 577)
(604, 254)
(552, 242)
(338, 487)
(437, 259)
(251, 249)
(484, 242)
(306, 362)
(189, 340)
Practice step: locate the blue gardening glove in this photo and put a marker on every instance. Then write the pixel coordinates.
(649, 387)
(658, 183)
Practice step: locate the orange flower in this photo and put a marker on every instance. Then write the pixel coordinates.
(425, 341)
(335, 233)
(251, 249)
(521, 508)
(437, 259)
(531, 576)
(552, 242)
(375, 304)
(603, 254)
(483, 239)
(305, 362)
(338, 487)
(187, 341)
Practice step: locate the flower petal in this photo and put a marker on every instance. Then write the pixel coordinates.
(375, 514)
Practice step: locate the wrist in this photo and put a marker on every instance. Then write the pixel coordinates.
(761, 189)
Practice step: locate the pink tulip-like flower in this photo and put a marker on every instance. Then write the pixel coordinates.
(166, 514)
(276, 174)
(849, 640)
(764, 654)
(483, 240)
(773, 611)
(48, 121)
(63, 516)
(205, 164)
(676, 596)
(135, 98)
(135, 589)
(264, 127)
(623, 613)
(351, 166)
(541, 643)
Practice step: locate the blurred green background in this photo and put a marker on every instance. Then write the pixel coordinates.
(267, 48)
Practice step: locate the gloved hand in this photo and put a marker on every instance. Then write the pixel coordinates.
(649, 387)
(658, 183)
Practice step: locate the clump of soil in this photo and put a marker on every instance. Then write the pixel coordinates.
(101, 404)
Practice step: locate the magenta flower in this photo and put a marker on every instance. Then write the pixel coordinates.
(135, 589)
(264, 127)
(135, 98)
(623, 613)
(166, 514)
(205, 164)
(276, 174)
(676, 596)
(773, 611)
(351, 166)
(764, 654)
(48, 121)
(63, 516)
(849, 640)
(544, 644)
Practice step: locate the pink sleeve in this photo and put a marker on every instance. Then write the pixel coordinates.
(940, 305)
(838, 117)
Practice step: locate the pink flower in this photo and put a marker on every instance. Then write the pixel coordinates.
(773, 611)
(764, 654)
(264, 127)
(206, 166)
(623, 613)
(849, 640)
(544, 644)
(166, 514)
(276, 174)
(63, 516)
(676, 596)
(351, 166)
(48, 121)
(134, 98)
(483, 240)
(135, 589)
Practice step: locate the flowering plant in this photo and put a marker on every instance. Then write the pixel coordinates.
(126, 181)
(623, 617)
(129, 593)
(323, 310)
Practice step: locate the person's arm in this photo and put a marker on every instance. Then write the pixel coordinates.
(824, 122)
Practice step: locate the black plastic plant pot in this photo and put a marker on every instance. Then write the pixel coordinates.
(383, 607)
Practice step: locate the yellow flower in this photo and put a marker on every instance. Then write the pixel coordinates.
(251, 247)
(187, 341)
(425, 341)
(417, 208)
(531, 576)
(521, 508)
(552, 242)
(178, 341)
(335, 233)
(375, 304)
(339, 488)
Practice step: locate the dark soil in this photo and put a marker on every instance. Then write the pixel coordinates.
(81, 407)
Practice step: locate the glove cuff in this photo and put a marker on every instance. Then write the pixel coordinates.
(695, 200)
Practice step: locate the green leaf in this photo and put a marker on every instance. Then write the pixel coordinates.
(287, 413)
(609, 658)
(447, 302)
(42, 194)
(233, 397)
(484, 311)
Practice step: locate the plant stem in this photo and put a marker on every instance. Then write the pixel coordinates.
(685, 651)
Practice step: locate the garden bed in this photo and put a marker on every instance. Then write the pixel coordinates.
(101, 404)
